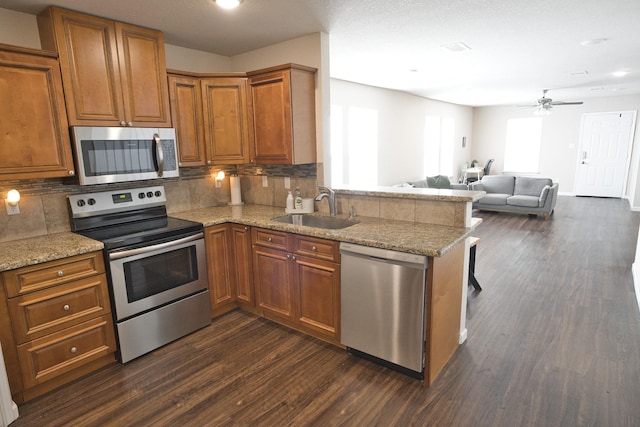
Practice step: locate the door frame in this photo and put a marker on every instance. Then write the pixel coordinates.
(625, 188)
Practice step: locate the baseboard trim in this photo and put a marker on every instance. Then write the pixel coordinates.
(463, 334)
(635, 271)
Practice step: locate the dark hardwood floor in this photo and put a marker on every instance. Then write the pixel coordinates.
(554, 340)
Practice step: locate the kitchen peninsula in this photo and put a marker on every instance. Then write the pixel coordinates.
(380, 224)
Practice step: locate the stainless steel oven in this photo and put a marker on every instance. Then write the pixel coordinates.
(156, 266)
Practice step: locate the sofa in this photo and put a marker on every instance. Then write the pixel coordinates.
(438, 181)
(518, 194)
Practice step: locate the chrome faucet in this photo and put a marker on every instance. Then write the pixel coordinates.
(330, 195)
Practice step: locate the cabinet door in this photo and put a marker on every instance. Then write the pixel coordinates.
(186, 116)
(144, 76)
(272, 279)
(225, 118)
(89, 62)
(241, 236)
(35, 137)
(318, 293)
(271, 118)
(221, 278)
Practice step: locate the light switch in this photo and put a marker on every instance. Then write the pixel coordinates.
(287, 182)
(265, 181)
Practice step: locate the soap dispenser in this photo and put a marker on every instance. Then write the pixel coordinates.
(289, 201)
(297, 200)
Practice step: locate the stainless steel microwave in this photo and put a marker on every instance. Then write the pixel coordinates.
(119, 154)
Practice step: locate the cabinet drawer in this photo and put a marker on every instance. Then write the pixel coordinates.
(54, 355)
(318, 248)
(33, 278)
(270, 239)
(40, 313)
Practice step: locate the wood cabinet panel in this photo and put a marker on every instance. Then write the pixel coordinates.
(114, 74)
(41, 276)
(186, 117)
(35, 137)
(43, 312)
(241, 236)
(319, 248)
(144, 75)
(271, 239)
(273, 281)
(222, 287)
(225, 117)
(54, 355)
(282, 106)
(318, 306)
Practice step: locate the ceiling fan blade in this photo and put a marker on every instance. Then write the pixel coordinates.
(567, 103)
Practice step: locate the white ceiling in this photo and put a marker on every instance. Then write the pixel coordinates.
(518, 47)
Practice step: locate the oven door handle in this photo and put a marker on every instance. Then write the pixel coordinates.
(131, 252)
(159, 153)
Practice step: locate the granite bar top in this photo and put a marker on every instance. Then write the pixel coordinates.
(411, 193)
(405, 236)
(36, 250)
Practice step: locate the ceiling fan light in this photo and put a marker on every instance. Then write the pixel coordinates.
(542, 111)
(228, 4)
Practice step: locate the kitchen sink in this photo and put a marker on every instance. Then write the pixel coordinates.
(327, 222)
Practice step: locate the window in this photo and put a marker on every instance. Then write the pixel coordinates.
(522, 150)
(438, 143)
(354, 145)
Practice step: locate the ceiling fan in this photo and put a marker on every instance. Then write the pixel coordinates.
(544, 105)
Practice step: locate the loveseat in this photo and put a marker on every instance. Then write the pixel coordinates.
(505, 193)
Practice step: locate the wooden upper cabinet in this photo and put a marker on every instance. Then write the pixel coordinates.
(282, 107)
(225, 119)
(34, 135)
(185, 98)
(114, 74)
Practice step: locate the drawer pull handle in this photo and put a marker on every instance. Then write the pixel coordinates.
(314, 249)
(66, 307)
(74, 350)
(270, 239)
(60, 273)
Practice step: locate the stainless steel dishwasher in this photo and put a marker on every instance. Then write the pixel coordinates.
(383, 306)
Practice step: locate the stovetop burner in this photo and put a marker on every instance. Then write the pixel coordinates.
(127, 218)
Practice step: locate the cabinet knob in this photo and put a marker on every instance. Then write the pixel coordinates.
(72, 173)
(60, 273)
(123, 123)
(293, 257)
(209, 162)
(246, 228)
(66, 307)
(314, 249)
(74, 350)
(270, 239)
(130, 124)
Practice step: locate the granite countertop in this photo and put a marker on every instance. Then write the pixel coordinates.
(418, 238)
(411, 193)
(35, 250)
(405, 236)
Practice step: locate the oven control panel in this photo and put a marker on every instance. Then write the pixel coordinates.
(91, 204)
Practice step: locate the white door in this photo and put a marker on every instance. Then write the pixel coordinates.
(605, 149)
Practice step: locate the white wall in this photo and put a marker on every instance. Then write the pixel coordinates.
(19, 29)
(560, 139)
(401, 127)
(195, 61)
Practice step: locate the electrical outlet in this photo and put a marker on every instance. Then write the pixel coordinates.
(12, 210)
(265, 181)
(287, 182)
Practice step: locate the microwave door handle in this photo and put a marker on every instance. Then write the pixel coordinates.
(159, 153)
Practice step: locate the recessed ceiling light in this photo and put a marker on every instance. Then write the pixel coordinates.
(456, 47)
(593, 42)
(228, 4)
(620, 73)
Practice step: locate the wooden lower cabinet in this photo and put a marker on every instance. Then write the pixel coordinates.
(229, 267)
(299, 284)
(59, 323)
